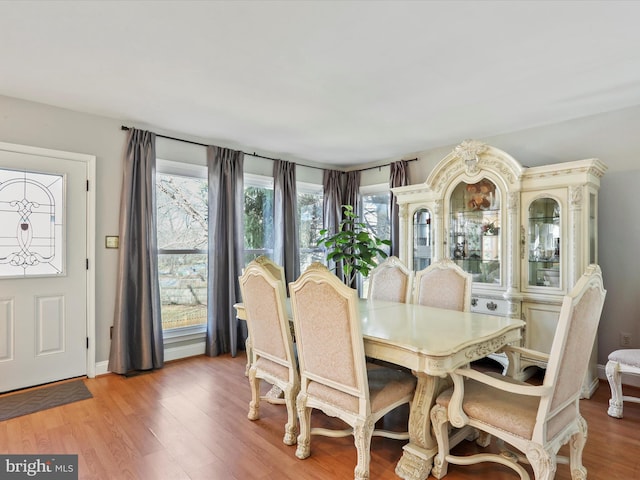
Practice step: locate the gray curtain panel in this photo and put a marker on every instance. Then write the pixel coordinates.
(332, 208)
(352, 190)
(398, 177)
(352, 197)
(226, 247)
(137, 326)
(286, 249)
(332, 203)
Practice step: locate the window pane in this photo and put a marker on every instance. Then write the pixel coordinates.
(31, 223)
(375, 214)
(309, 226)
(183, 289)
(258, 222)
(182, 237)
(182, 212)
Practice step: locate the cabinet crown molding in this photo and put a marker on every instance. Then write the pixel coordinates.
(473, 158)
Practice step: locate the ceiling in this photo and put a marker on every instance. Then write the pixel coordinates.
(336, 82)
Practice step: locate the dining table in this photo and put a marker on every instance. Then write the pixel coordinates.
(431, 342)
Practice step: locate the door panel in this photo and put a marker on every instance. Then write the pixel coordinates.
(7, 324)
(43, 307)
(50, 325)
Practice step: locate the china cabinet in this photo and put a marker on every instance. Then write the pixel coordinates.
(525, 235)
(421, 239)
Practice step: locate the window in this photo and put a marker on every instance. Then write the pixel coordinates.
(310, 217)
(258, 217)
(376, 210)
(181, 195)
(375, 206)
(31, 223)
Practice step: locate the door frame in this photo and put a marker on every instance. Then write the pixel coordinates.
(90, 162)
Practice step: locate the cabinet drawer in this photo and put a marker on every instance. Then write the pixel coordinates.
(490, 306)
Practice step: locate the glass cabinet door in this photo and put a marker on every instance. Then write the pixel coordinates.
(544, 243)
(474, 230)
(421, 239)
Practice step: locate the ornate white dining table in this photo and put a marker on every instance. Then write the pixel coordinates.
(431, 342)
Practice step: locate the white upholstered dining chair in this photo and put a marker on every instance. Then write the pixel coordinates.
(334, 377)
(621, 362)
(443, 284)
(272, 354)
(535, 419)
(273, 268)
(278, 273)
(391, 280)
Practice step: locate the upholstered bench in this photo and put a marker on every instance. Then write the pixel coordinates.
(621, 361)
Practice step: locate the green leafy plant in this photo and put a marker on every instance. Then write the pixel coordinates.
(353, 245)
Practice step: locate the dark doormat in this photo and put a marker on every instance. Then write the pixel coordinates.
(17, 404)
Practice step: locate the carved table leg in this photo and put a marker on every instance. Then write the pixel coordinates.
(417, 459)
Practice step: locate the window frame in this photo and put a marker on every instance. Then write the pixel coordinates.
(182, 169)
(259, 181)
(374, 189)
(313, 189)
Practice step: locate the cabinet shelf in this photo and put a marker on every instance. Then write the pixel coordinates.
(477, 260)
(469, 211)
(545, 220)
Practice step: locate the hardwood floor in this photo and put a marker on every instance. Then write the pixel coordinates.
(189, 421)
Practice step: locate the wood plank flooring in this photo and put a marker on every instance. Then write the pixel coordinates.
(189, 421)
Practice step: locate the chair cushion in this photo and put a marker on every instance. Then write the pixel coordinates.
(629, 356)
(506, 411)
(272, 368)
(386, 386)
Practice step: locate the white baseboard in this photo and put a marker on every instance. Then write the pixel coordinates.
(102, 368)
(170, 353)
(175, 353)
(198, 349)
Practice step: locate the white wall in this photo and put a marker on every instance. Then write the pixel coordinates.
(39, 125)
(612, 137)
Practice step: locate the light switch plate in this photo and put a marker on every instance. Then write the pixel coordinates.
(112, 241)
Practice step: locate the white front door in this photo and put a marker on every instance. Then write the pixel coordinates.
(43, 268)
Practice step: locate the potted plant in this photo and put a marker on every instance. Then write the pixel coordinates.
(353, 246)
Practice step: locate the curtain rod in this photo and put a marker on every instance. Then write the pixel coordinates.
(383, 165)
(124, 127)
